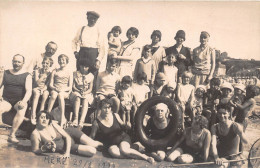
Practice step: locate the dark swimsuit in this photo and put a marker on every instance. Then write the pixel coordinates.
(113, 135)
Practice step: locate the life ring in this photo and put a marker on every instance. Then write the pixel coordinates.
(175, 122)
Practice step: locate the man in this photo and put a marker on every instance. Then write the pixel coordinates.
(16, 93)
(204, 61)
(91, 44)
(50, 50)
(229, 134)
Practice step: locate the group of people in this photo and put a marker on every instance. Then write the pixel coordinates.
(218, 112)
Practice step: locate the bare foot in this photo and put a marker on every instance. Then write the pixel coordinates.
(150, 160)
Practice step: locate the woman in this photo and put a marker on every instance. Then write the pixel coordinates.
(128, 53)
(109, 126)
(195, 141)
(49, 136)
(158, 52)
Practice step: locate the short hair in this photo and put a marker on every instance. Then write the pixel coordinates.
(146, 47)
(252, 90)
(133, 30)
(48, 116)
(48, 59)
(51, 42)
(116, 28)
(127, 79)
(112, 61)
(186, 74)
(141, 76)
(19, 55)
(157, 33)
(65, 56)
(223, 106)
(106, 101)
(215, 81)
(201, 120)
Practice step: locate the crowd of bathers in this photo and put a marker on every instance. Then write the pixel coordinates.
(210, 108)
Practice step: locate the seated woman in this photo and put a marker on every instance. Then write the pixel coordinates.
(109, 126)
(228, 134)
(49, 136)
(195, 141)
(157, 127)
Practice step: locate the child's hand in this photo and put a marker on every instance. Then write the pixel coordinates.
(216, 102)
(181, 56)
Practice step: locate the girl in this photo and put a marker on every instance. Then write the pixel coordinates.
(158, 52)
(197, 106)
(185, 93)
(145, 64)
(141, 89)
(108, 126)
(126, 97)
(169, 91)
(60, 85)
(114, 42)
(48, 136)
(82, 92)
(195, 141)
(41, 82)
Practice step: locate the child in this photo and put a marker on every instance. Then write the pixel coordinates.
(185, 93)
(41, 81)
(226, 91)
(107, 86)
(141, 89)
(168, 67)
(61, 84)
(247, 107)
(198, 100)
(145, 64)
(211, 100)
(82, 92)
(156, 128)
(159, 83)
(169, 91)
(239, 96)
(114, 42)
(126, 97)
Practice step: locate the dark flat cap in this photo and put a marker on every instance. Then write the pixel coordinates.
(93, 13)
(204, 34)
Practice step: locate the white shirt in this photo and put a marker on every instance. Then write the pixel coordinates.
(140, 92)
(92, 38)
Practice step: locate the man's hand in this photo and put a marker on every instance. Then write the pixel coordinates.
(76, 54)
(97, 65)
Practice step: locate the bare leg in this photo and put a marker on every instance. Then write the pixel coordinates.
(86, 150)
(53, 97)
(84, 111)
(5, 107)
(158, 155)
(36, 95)
(84, 139)
(18, 119)
(132, 153)
(76, 107)
(45, 96)
(128, 117)
(175, 154)
(116, 104)
(61, 100)
(124, 116)
(114, 151)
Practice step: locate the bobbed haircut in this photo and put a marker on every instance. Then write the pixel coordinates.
(64, 56)
(116, 28)
(48, 59)
(133, 30)
(48, 116)
(127, 79)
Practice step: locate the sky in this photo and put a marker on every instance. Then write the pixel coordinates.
(26, 27)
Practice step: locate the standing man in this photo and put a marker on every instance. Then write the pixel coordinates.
(16, 93)
(204, 61)
(91, 43)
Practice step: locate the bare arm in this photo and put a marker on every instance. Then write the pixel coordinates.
(94, 130)
(35, 142)
(214, 142)
(90, 88)
(239, 130)
(178, 142)
(28, 89)
(52, 80)
(213, 62)
(76, 40)
(206, 145)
